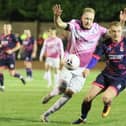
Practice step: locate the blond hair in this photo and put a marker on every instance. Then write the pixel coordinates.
(115, 23)
(88, 9)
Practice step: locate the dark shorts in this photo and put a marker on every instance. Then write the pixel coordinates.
(105, 81)
(27, 56)
(8, 62)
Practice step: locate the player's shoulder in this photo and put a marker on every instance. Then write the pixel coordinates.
(58, 38)
(98, 26)
(124, 39)
(75, 21)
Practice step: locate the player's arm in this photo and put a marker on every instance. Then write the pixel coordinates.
(62, 55)
(123, 17)
(42, 52)
(91, 65)
(95, 58)
(57, 11)
(0, 44)
(34, 49)
(17, 47)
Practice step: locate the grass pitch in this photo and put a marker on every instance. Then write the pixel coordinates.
(21, 105)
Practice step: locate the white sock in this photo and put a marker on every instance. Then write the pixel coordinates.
(55, 91)
(57, 105)
(49, 78)
(56, 79)
(45, 75)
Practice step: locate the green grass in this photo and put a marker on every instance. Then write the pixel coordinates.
(21, 105)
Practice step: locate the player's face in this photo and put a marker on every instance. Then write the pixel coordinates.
(4, 28)
(52, 32)
(116, 33)
(9, 28)
(87, 20)
(27, 33)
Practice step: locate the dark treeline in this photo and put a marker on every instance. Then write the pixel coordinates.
(41, 10)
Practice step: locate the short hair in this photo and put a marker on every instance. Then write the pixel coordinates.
(88, 9)
(115, 23)
(53, 28)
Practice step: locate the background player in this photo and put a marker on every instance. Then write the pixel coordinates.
(28, 52)
(53, 52)
(8, 46)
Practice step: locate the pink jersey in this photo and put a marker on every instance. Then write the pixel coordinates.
(52, 47)
(82, 42)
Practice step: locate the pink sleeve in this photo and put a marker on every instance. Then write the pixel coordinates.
(103, 30)
(72, 24)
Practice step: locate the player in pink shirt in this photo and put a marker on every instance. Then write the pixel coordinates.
(83, 39)
(84, 35)
(53, 51)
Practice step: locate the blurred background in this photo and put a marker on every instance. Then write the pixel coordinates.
(37, 14)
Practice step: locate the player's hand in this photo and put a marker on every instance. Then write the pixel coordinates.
(19, 56)
(33, 55)
(57, 11)
(9, 51)
(123, 15)
(86, 72)
(62, 62)
(41, 59)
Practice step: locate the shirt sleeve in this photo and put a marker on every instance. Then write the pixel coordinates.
(96, 56)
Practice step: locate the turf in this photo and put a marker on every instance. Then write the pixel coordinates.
(21, 105)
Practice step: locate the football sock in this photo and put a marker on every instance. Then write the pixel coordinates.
(29, 72)
(17, 75)
(85, 108)
(49, 78)
(55, 91)
(58, 104)
(1, 79)
(45, 75)
(56, 78)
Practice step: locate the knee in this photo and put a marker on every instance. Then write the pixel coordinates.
(12, 74)
(88, 98)
(69, 93)
(106, 99)
(63, 86)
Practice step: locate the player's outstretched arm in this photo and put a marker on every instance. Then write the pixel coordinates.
(57, 11)
(123, 16)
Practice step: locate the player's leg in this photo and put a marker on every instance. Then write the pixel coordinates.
(87, 103)
(111, 92)
(50, 95)
(1, 78)
(69, 89)
(11, 66)
(2, 68)
(56, 71)
(17, 75)
(64, 79)
(1, 82)
(28, 67)
(108, 95)
(57, 105)
(95, 89)
(47, 74)
(59, 89)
